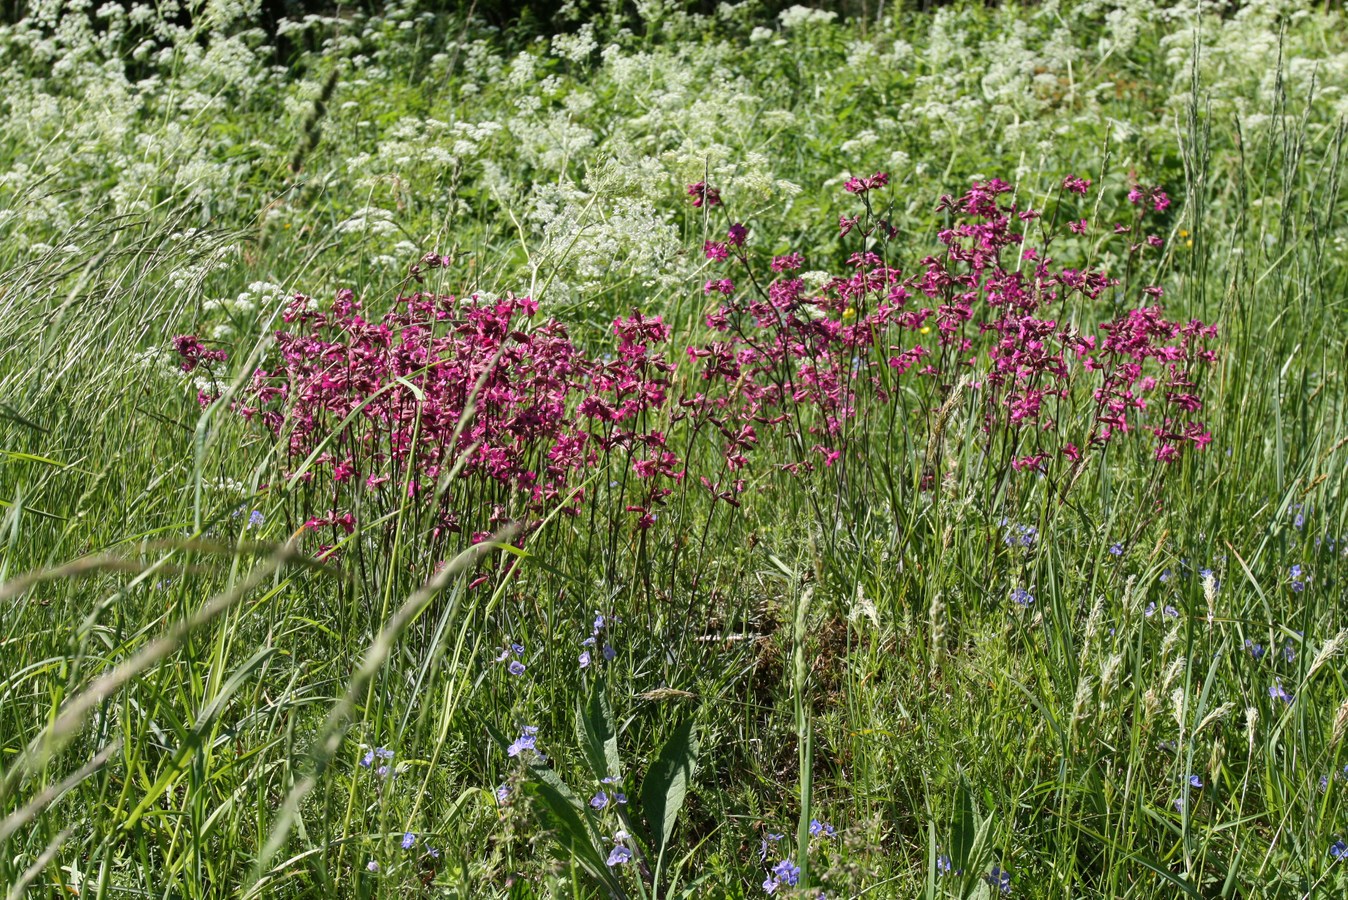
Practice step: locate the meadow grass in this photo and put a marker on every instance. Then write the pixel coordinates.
(197, 700)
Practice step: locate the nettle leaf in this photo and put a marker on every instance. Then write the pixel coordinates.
(597, 733)
(667, 781)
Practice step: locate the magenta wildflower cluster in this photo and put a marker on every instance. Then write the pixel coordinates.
(1016, 327)
(489, 412)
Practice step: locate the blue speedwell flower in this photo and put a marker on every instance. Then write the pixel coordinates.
(528, 740)
(1000, 879)
(785, 872)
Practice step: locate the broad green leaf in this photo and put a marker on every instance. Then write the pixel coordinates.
(597, 733)
(963, 828)
(575, 841)
(667, 781)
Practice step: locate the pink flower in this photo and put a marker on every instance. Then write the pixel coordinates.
(735, 237)
(701, 194)
(1076, 185)
(855, 185)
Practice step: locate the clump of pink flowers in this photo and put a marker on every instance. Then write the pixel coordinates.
(485, 411)
(1060, 361)
(471, 405)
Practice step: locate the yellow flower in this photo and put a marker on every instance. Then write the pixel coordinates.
(926, 329)
(850, 312)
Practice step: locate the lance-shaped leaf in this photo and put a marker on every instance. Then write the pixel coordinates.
(666, 784)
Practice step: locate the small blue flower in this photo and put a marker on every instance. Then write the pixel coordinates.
(1195, 781)
(502, 794)
(787, 873)
(1171, 612)
(1277, 692)
(619, 855)
(1150, 610)
(516, 667)
(372, 866)
(1256, 650)
(1022, 597)
(518, 649)
(1338, 849)
(584, 659)
(527, 740)
(1116, 548)
(943, 865)
(999, 879)
(255, 519)
(408, 840)
(599, 800)
(377, 753)
(818, 828)
(609, 653)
